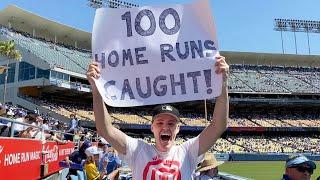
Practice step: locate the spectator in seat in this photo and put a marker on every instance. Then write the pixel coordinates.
(45, 125)
(109, 156)
(299, 167)
(4, 125)
(90, 164)
(77, 157)
(18, 128)
(73, 127)
(36, 120)
(208, 168)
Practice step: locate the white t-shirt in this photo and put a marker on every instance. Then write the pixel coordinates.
(147, 163)
(19, 127)
(45, 127)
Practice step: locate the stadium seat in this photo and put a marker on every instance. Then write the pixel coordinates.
(81, 175)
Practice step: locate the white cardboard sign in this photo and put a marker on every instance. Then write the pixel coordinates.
(153, 55)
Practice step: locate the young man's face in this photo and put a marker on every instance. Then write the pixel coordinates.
(165, 128)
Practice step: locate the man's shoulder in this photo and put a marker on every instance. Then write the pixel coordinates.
(137, 140)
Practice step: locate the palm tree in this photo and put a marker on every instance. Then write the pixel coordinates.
(7, 49)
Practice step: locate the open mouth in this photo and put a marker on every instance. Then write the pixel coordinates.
(165, 137)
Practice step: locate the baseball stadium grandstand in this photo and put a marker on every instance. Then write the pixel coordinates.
(274, 98)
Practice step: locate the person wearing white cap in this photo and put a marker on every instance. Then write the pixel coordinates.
(10, 112)
(299, 167)
(4, 130)
(19, 128)
(164, 159)
(91, 164)
(208, 168)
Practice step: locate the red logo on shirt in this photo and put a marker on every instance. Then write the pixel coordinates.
(162, 170)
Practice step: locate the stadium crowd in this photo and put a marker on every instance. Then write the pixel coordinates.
(258, 144)
(229, 144)
(247, 119)
(40, 126)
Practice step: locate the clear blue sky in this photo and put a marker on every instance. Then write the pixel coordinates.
(242, 25)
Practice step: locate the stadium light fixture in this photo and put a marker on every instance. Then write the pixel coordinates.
(294, 25)
(110, 3)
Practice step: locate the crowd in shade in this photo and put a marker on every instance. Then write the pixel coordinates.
(248, 119)
(83, 111)
(40, 126)
(101, 160)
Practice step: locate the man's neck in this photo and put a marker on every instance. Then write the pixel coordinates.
(162, 150)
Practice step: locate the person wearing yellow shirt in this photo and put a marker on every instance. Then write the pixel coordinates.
(91, 169)
(90, 166)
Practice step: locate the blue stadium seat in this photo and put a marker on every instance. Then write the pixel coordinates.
(81, 175)
(64, 173)
(73, 177)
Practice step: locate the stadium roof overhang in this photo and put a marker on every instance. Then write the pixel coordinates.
(271, 59)
(25, 21)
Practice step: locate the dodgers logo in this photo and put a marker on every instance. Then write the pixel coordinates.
(162, 170)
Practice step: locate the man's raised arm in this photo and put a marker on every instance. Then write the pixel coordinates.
(102, 118)
(218, 125)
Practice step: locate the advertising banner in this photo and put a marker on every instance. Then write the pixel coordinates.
(54, 153)
(20, 158)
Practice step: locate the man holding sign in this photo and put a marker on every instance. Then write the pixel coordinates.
(153, 52)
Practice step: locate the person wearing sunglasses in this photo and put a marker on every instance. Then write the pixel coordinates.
(298, 167)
